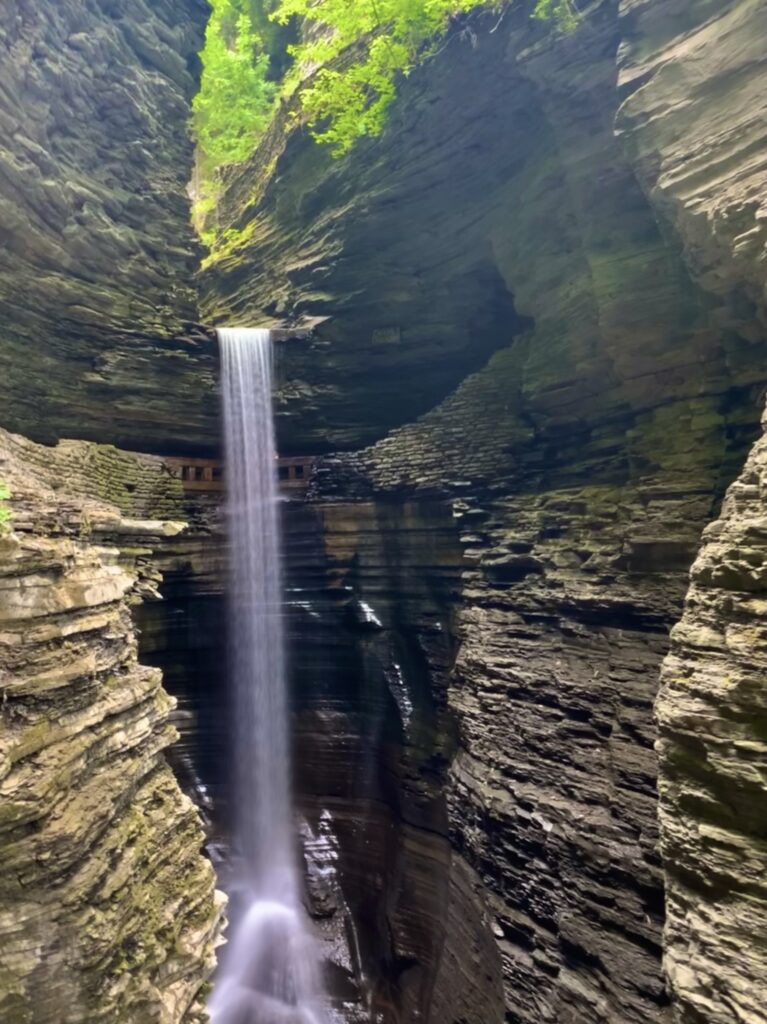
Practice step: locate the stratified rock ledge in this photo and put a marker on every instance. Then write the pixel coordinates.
(107, 907)
(712, 714)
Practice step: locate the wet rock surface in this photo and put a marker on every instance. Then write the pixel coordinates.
(562, 626)
(616, 391)
(370, 605)
(578, 320)
(375, 739)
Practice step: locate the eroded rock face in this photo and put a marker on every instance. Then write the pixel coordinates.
(493, 202)
(581, 460)
(579, 319)
(371, 591)
(712, 716)
(98, 259)
(695, 125)
(107, 908)
(567, 596)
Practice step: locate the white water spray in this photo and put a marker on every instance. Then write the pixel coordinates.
(270, 969)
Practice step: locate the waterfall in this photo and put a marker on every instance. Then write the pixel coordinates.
(269, 973)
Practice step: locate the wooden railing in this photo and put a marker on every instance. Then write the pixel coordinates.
(209, 475)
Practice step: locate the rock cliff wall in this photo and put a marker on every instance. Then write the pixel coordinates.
(539, 303)
(97, 267)
(597, 296)
(694, 123)
(371, 595)
(371, 631)
(713, 734)
(545, 218)
(107, 908)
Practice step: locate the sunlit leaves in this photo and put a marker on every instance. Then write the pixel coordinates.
(235, 100)
(346, 68)
(361, 48)
(561, 11)
(5, 512)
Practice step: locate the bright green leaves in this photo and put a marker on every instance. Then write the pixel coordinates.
(236, 98)
(561, 11)
(5, 512)
(345, 71)
(343, 106)
(361, 48)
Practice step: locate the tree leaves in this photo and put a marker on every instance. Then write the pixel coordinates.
(5, 512)
(361, 49)
(346, 68)
(235, 101)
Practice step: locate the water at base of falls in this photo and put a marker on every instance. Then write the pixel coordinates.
(272, 971)
(270, 968)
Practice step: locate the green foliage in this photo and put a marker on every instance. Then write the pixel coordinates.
(346, 69)
(362, 48)
(277, 38)
(235, 101)
(5, 512)
(380, 39)
(224, 244)
(561, 11)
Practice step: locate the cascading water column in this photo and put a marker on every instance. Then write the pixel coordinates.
(270, 969)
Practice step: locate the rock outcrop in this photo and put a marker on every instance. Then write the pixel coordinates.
(695, 124)
(107, 907)
(567, 595)
(408, 272)
(373, 590)
(550, 333)
(712, 715)
(97, 296)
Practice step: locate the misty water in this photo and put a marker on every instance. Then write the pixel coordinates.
(270, 968)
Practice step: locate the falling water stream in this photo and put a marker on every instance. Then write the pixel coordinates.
(269, 973)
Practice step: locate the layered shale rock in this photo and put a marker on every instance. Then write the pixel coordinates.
(567, 596)
(409, 272)
(555, 337)
(586, 290)
(695, 124)
(98, 255)
(107, 908)
(712, 714)
(373, 589)
(386, 253)
(371, 597)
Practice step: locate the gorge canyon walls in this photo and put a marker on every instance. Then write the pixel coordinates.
(371, 592)
(537, 317)
(599, 294)
(711, 717)
(107, 910)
